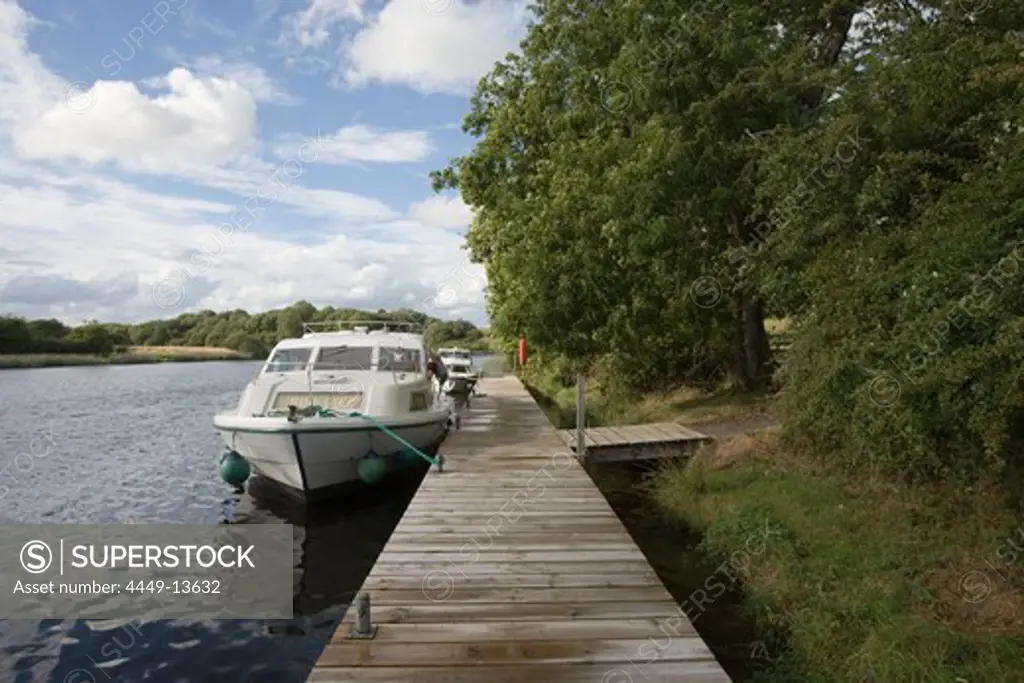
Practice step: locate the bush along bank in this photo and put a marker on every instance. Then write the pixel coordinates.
(860, 578)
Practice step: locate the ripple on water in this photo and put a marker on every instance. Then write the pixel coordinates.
(136, 444)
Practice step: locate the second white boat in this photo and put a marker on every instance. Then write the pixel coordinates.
(462, 378)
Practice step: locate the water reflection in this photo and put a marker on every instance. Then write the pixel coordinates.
(336, 542)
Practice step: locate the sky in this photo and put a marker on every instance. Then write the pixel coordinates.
(158, 158)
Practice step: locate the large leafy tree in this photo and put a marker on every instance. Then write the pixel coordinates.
(615, 178)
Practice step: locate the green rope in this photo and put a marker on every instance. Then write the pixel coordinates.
(318, 411)
(390, 433)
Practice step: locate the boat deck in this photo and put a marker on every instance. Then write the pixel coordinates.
(510, 566)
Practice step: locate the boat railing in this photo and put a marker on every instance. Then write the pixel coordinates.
(285, 366)
(409, 326)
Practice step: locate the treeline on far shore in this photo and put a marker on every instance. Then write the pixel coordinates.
(249, 335)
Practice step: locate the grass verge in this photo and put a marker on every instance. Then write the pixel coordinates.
(134, 355)
(607, 405)
(860, 580)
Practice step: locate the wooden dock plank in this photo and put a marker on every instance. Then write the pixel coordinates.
(443, 612)
(512, 566)
(600, 437)
(513, 580)
(648, 434)
(624, 436)
(462, 567)
(655, 672)
(605, 651)
(513, 544)
(527, 538)
(490, 631)
(494, 556)
(473, 529)
(669, 431)
(441, 586)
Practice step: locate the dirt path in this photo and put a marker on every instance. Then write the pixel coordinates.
(724, 429)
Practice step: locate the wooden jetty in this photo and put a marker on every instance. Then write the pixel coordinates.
(510, 567)
(633, 442)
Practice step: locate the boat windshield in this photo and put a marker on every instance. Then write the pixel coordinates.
(344, 358)
(399, 360)
(289, 360)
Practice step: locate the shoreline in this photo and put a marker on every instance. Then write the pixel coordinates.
(145, 356)
(29, 361)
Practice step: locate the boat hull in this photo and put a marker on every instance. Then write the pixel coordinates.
(318, 461)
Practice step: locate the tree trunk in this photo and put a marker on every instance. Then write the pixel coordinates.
(758, 352)
(831, 41)
(752, 353)
(739, 347)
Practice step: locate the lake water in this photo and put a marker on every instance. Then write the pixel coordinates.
(116, 444)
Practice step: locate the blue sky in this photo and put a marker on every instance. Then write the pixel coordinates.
(189, 154)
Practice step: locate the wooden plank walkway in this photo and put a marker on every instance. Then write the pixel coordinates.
(634, 442)
(510, 567)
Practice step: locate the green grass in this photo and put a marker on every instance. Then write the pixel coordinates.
(866, 582)
(608, 406)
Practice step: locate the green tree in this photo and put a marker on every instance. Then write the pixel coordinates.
(615, 170)
(94, 336)
(899, 254)
(47, 329)
(160, 335)
(218, 334)
(306, 310)
(289, 324)
(15, 335)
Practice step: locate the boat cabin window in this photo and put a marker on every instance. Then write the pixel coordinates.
(345, 358)
(399, 360)
(289, 360)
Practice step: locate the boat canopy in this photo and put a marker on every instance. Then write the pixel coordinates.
(354, 352)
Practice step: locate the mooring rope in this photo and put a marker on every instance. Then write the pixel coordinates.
(318, 411)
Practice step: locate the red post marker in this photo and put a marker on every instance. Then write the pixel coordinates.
(522, 350)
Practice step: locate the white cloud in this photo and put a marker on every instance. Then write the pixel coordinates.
(442, 212)
(200, 121)
(265, 10)
(311, 27)
(351, 144)
(443, 52)
(250, 76)
(87, 247)
(27, 88)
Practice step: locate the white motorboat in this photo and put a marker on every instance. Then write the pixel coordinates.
(462, 378)
(339, 407)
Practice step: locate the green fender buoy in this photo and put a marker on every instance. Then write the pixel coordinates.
(372, 468)
(234, 469)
